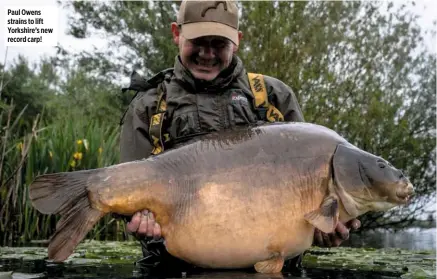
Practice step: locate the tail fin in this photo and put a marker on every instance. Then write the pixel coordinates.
(66, 194)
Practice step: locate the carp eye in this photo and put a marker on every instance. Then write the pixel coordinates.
(381, 164)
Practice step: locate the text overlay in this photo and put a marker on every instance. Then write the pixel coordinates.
(31, 26)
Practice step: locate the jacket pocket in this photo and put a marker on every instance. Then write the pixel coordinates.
(240, 111)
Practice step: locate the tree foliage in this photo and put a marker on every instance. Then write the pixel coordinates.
(139, 35)
(83, 95)
(28, 88)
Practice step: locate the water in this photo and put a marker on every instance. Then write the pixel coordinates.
(115, 260)
(410, 239)
(40, 269)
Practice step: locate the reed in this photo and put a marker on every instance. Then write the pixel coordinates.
(68, 144)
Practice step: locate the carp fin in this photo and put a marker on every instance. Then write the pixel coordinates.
(66, 194)
(272, 265)
(325, 218)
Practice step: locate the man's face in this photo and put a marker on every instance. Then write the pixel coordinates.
(204, 57)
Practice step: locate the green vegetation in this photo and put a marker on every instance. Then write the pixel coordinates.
(355, 69)
(68, 144)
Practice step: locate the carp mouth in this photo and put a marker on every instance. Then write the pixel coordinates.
(404, 194)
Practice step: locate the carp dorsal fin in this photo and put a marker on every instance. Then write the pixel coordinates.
(325, 218)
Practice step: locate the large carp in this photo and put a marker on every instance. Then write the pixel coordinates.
(250, 197)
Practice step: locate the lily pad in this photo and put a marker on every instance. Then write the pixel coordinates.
(397, 262)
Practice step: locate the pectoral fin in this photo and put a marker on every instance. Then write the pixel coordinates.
(272, 265)
(325, 218)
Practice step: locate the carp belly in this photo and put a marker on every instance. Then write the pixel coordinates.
(211, 247)
(224, 228)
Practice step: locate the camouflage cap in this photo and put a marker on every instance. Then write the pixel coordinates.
(199, 18)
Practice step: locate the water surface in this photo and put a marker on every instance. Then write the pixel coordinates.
(411, 239)
(376, 254)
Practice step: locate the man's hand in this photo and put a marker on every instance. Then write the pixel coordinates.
(143, 224)
(336, 238)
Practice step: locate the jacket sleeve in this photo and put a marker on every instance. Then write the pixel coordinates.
(134, 136)
(284, 99)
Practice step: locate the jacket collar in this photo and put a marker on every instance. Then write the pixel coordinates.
(184, 76)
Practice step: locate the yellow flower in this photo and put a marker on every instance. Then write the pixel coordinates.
(100, 150)
(79, 142)
(20, 146)
(73, 163)
(78, 156)
(50, 154)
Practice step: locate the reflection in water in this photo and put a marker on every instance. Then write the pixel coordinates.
(411, 239)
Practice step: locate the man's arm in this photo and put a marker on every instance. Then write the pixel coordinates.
(284, 99)
(135, 145)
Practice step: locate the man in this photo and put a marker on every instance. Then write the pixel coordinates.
(207, 90)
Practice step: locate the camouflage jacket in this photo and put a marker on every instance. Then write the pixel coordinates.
(197, 107)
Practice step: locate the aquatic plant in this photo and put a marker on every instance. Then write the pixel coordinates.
(342, 262)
